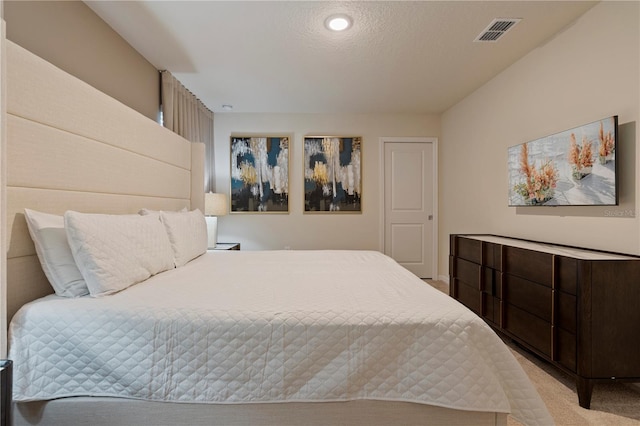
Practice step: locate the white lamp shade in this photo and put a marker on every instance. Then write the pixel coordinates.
(215, 204)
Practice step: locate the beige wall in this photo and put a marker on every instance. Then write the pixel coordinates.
(71, 36)
(313, 231)
(585, 73)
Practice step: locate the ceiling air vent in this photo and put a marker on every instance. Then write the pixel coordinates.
(496, 29)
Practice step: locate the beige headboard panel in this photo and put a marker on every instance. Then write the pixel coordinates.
(71, 147)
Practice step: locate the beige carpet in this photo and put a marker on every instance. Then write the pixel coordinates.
(611, 404)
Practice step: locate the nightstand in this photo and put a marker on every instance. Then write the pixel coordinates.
(226, 246)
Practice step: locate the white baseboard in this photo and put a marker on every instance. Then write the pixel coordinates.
(444, 278)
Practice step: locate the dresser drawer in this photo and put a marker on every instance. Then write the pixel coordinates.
(528, 328)
(527, 295)
(491, 255)
(491, 308)
(466, 271)
(532, 265)
(488, 282)
(468, 249)
(566, 312)
(469, 296)
(567, 274)
(566, 349)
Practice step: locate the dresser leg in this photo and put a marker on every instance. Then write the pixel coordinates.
(585, 388)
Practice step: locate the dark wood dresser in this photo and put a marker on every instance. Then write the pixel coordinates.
(578, 309)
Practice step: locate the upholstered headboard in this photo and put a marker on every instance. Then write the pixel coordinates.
(71, 147)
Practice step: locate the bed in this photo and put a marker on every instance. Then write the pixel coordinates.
(229, 338)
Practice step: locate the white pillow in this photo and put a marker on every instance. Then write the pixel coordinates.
(146, 211)
(49, 237)
(187, 233)
(114, 252)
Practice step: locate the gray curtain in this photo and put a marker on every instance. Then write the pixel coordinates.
(187, 116)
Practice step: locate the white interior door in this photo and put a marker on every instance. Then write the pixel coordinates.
(409, 205)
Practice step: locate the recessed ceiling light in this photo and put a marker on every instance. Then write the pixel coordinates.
(227, 107)
(338, 22)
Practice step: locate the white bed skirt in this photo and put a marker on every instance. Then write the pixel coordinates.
(88, 411)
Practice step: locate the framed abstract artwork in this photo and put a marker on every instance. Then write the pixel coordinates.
(333, 174)
(260, 174)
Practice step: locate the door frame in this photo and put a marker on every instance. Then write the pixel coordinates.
(434, 142)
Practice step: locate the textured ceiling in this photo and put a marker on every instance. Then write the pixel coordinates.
(276, 56)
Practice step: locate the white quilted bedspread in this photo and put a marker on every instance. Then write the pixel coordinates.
(241, 326)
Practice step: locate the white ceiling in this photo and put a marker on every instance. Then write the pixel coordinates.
(276, 56)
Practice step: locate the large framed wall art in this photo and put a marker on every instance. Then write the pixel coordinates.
(332, 174)
(576, 167)
(260, 174)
